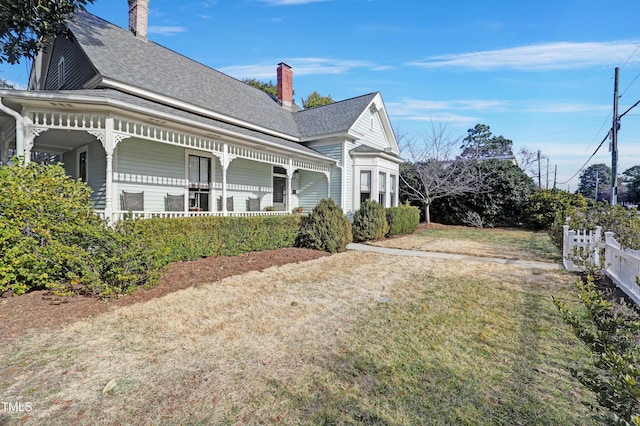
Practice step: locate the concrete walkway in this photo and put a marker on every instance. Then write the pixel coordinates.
(526, 264)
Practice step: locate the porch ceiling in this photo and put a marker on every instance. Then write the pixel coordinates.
(59, 141)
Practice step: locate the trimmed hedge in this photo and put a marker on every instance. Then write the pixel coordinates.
(191, 238)
(403, 219)
(369, 222)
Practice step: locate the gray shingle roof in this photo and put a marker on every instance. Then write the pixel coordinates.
(119, 55)
(335, 117)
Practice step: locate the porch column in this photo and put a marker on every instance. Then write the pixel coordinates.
(225, 162)
(108, 193)
(109, 148)
(328, 174)
(288, 205)
(4, 151)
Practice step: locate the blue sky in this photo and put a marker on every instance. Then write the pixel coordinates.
(538, 73)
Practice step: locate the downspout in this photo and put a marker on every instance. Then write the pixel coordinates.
(19, 127)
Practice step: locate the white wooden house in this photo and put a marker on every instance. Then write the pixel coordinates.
(154, 132)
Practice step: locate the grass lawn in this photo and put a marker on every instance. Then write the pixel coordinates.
(492, 242)
(354, 338)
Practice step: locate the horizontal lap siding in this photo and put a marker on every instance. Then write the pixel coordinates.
(97, 171)
(333, 151)
(155, 168)
(77, 70)
(349, 208)
(248, 179)
(374, 138)
(313, 188)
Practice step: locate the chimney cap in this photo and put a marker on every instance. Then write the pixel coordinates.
(284, 64)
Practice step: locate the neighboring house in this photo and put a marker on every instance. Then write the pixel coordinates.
(152, 131)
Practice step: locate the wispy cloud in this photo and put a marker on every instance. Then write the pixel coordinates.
(166, 31)
(290, 2)
(301, 66)
(450, 110)
(547, 56)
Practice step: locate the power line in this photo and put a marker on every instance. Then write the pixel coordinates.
(625, 63)
(586, 162)
(632, 107)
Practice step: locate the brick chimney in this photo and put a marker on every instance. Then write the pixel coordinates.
(285, 85)
(139, 17)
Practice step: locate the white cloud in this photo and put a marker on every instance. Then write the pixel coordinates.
(166, 31)
(420, 108)
(301, 66)
(547, 56)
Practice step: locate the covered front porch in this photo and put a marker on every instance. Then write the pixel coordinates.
(145, 167)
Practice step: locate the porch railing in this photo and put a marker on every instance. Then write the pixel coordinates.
(120, 215)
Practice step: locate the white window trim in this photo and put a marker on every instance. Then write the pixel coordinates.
(212, 164)
(61, 72)
(83, 149)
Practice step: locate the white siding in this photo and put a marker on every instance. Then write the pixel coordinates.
(96, 168)
(247, 179)
(313, 188)
(157, 169)
(372, 137)
(334, 151)
(349, 208)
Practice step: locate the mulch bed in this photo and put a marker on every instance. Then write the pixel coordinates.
(43, 310)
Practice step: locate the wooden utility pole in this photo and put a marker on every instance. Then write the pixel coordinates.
(614, 141)
(555, 177)
(539, 174)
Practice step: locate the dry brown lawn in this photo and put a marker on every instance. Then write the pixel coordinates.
(210, 355)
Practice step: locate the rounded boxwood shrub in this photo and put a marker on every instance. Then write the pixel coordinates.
(370, 222)
(326, 228)
(403, 219)
(50, 237)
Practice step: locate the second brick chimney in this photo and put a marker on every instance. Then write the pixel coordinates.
(285, 85)
(139, 17)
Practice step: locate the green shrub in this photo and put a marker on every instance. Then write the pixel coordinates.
(611, 335)
(50, 237)
(403, 219)
(369, 222)
(545, 206)
(624, 223)
(326, 228)
(191, 238)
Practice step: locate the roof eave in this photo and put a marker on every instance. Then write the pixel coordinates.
(380, 154)
(36, 98)
(169, 101)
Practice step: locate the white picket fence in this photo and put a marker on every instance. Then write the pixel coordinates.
(621, 265)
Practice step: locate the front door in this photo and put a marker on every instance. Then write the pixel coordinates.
(280, 193)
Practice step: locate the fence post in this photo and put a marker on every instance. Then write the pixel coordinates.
(595, 245)
(567, 247)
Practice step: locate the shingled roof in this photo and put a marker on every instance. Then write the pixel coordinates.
(119, 55)
(332, 118)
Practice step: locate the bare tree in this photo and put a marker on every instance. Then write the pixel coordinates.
(528, 161)
(433, 171)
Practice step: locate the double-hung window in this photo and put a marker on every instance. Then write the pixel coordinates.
(382, 188)
(393, 190)
(199, 183)
(365, 185)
